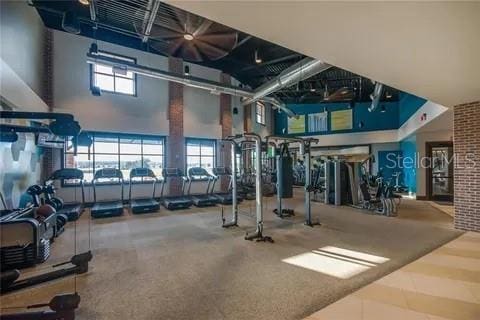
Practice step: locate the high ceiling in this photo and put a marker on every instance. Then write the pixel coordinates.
(428, 48)
(125, 22)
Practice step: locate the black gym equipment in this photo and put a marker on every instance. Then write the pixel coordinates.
(284, 180)
(143, 205)
(62, 124)
(10, 282)
(174, 202)
(71, 210)
(62, 307)
(112, 208)
(25, 238)
(223, 197)
(200, 200)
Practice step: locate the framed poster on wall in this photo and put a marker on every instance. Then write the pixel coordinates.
(317, 122)
(296, 125)
(342, 120)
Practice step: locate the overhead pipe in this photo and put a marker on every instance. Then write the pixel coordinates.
(300, 71)
(187, 80)
(375, 96)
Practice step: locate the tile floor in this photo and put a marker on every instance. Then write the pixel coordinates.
(443, 285)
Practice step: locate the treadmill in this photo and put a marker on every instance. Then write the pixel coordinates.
(106, 209)
(75, 209)
(201, 200)
(223, 197)
(174, 202)
(143, 205)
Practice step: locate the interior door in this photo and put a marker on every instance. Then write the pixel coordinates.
(441, 171)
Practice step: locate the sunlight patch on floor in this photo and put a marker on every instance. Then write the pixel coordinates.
(336, 262)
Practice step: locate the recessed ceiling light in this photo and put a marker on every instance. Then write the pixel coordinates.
(84, 2)
(313, 89)
(257, 57)
(188, 36)
(383, 109)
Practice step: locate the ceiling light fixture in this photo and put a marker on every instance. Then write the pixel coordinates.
(383, 109)
(84, 2)
(186, 70)
(388, 94)
(188, 36)
(257, 57)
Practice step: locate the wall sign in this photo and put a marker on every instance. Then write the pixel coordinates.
(317, 122)
(342, 120)
(296, 125)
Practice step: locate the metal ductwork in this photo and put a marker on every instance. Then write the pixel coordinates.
(375, 96)
(187, 80)
(300, 71)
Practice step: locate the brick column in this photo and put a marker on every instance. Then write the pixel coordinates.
(176, 140)
(467, 166)
(227, 125)
(247, 127)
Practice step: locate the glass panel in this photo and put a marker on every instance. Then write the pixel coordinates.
(208, 150)
(106, 145)
(155, 163)
(104, 82)
(208, 163)
(132, 146)
(441, 161)
(150, 148)
(193, 149)
(124, 86)
(106, 161)
(442, 186)
(193, 161)
(81, 162)
(103, 69)
(128, 162)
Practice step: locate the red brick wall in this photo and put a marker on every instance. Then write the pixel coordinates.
(467, 166)
(226, 122)
(176, 139)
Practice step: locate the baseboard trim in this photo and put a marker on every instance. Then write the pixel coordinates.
(422, 198)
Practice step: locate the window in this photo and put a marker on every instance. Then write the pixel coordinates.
(200, 153)
(121, 151)
(260, 112)
(116, 80)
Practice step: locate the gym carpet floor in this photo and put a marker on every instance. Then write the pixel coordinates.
(183, 265)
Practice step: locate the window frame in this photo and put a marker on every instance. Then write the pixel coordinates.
(114, 75)
(118, 137)
(262, 113)
(199, 141)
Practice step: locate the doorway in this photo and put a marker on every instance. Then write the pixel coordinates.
(440, 171)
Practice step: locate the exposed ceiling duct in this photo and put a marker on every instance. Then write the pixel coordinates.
(188, 80)
(375, 96)
(300, 71)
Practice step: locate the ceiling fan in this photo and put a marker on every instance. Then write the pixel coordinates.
(190, 37)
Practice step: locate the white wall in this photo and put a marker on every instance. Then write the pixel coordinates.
(144, 113)
(22, 37)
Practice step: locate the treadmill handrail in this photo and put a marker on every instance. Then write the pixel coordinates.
(68, 173)
(107, 173)
(143, 173)
(196, 174)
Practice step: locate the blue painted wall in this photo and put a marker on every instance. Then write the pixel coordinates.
(397, 113)
(388, 164)
(408, 104)
(409, 150)
(372, 121)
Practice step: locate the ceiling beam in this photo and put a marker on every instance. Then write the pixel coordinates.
(149, 19)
